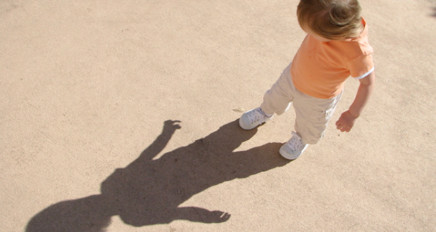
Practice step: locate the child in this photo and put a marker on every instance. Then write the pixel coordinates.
(335, 47)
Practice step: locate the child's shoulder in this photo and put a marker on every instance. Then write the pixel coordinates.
(354, 47)
(361, 43)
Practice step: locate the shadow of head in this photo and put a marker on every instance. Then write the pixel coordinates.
(89, 214)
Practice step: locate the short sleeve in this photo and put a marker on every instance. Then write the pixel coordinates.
(361, 66)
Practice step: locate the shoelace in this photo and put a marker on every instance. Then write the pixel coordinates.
(256, 116)
(296, 142)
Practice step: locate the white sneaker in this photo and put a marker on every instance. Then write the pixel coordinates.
(293, 148)
(253, 118)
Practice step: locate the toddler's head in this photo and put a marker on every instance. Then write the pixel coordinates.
(330, 19)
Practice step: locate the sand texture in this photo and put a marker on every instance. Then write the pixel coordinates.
(121, 116)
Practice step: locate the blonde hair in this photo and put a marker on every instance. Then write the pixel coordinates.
(331, 19)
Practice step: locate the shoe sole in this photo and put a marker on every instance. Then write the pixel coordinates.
(240, 125)
(286, 156)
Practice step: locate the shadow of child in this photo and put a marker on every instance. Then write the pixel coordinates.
(150, 191)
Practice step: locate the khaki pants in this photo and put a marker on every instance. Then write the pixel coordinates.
(312, 114)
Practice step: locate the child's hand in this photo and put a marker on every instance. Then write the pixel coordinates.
(346, 121)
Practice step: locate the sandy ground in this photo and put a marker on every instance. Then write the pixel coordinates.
(88, 90)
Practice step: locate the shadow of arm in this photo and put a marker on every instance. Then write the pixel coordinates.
(196, 214)
(170, 126)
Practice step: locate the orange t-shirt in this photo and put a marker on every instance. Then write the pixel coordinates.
(319, 69)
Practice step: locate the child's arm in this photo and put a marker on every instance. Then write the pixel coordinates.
(346, 121)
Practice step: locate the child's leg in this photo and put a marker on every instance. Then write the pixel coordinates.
(278, 98)
(312, 116)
